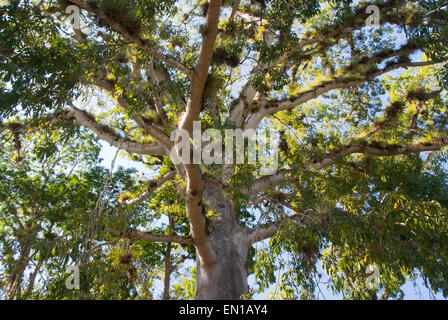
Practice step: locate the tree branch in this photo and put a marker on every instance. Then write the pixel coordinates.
(198, 221)
(249, 92)
(152, 130)
(152, 186)
(235, 6)
(284, 176)
(132, 37)
(357, 21)
(200, 72)
(303, 219)
(379, 151)
(270, 107)
(84, 119)
(266, 182)
(146, 236)
(195, 184)
(258, 234)
(168, 271)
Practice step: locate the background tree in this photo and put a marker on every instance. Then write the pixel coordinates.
(362, 118)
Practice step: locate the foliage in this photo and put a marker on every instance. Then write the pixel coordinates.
(385, 207)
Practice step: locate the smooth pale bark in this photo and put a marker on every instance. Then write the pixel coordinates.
(226, 277)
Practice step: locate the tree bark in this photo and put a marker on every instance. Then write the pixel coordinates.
(14, 287)
(168, 271)
(226, 277)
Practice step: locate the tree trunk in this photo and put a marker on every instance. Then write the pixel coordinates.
(14, 287)
(225, 278)
(168, 271)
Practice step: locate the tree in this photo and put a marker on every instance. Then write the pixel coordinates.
(361, 116)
